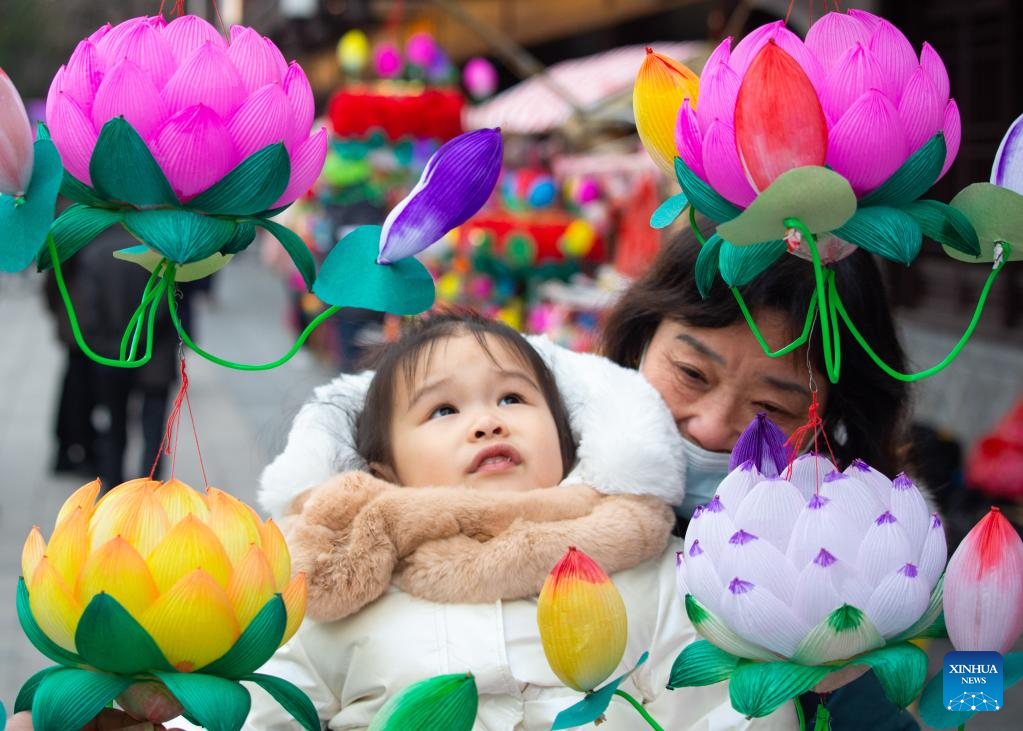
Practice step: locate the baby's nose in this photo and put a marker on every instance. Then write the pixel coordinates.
(488, 426)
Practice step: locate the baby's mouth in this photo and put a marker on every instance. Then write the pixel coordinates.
(498, 458)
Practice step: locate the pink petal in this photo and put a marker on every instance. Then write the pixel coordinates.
(856, 73)
(744, 53)
(689, 139)
(931, 62)
(306, 164)
(186, 33)
(262, 119)
(73, 134)
(830, 38)
(719, 89)
(275, 53)
(922, 109)
(895, 56)
(866, 19)
(300, 97)
(868, 143)
(83, 75)
(195, 150)
(256, 63)
(56, 86)
(16, 153)
(128, 92)
(144, 46)
(111, 40)
(99, 33)
(236, 30)
(207, 77)
(723, 169)
(953, 130)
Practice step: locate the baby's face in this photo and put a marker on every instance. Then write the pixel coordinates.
(470, 421)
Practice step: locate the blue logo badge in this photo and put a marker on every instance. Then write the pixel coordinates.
(972, 681)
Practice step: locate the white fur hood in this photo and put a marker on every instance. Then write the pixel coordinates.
(627, 440)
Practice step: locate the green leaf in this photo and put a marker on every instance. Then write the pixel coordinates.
(715, 630)
(251, 187)
(36, 635)
(946, 225)
(75, 228)
(446, 702)
(996, 215)
(889, 232)
(73, 188)
(351, 277)
(292, 700)
(257, 643)
(123, 169)
(296, 248)
(668, 211)
(760, 688)
(842, 634)
(68, 698)
(218, 704)
(701, 663)
(24, 224)
(929, 620)
(742, 264)
(592, 707)
(28, 690)
(913, 178)
(901, 669)
(180, 235)
(149, 260)
(702, 197)
(707, 263)
(244, 235)
(110, 639)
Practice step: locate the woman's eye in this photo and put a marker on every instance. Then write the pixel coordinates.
(511, 398)
(771, 409)
(689, 373)
(444, 410)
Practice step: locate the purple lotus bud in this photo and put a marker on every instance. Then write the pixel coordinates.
(763, 443)
(741, 538)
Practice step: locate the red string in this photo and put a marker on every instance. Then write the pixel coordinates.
(789, 12)
(172, 431)
(223, 28)
(814, 426)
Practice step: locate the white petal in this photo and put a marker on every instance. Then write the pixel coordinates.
(808, 471)
(909, 506)
(716, 631)
(934, 553)
(769, 511)
(816, 593)
(855, 500)
(736, 486)
(758, 561)
(759, 616)
(884, 549)
(701, 578)
(898, 601)
(873, 479)
(680, 574)
(822, 524)
(713, 527)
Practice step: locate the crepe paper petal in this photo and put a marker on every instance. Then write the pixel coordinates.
(922, 109)
(898, 601)
(1007, 170)
(189, 544)
(300, 96)
(295, 596)
(932, 64)
(868, 143)
(217, 704)
(857, 72)
(179, 235)
(146, 47)
(702, 197)
(855, 500)
(996, 214)
(186, 33)
(243, 236)
(737, 483)
(701, 663)
(67, 546)
(83, 73)
(591, 708)
(932, 702)
(251, 586)
(76, 226)
(701, 576)
(900, 668)
(723, 170)
(712, 528)
(889, 232)
(758, 561)
(662, 86)
(25, 222)
(150, 260)
(830, 37)
(808, 471)
(127, 91)
(667, 212)
(179, 500)
(779, 123)
(745, 52)
(256, 63)
(195, 150)
(457, 181)
(53, 605)
(28, 690)
(32, 552)
(879, 484)
(68, 698)
(759, 689)
(249, 188)
(716, 632)
(816, 594)
(934, 552)
(110, 639)
(953, 131)
(264, 118)
(84, 497)
(895, 56)
(770, 511)
(297, 250)
(109, 42)
(73, 134)
(689, 140)
(913, 178)
(261, 638)
(759, 616)
(291, 699)
(444, 701)
(306, 165)
(822, 524)
(761, 443)
(271, 540)
(35, 634)
(133, 514)
(719, 89)
(984, 587)
(909, 506)
(884, 549)
(206, 77)
(707, 265)
(844, 633)
(118, 570)
(122, 168)
(233, 522)
(16, 154)
(925, 625)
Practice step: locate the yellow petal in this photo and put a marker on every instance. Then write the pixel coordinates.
(234, 522)
(294, 596)
(193, 623)
(178, 500)
(662, 85)
(84, 498)
(117, 569)
(55, 609)
(188, 546)
(31, 553)
(276, 551)
(134, 514)
(251, 585)
(69, 545)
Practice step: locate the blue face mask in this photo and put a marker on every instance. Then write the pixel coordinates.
(704, 472)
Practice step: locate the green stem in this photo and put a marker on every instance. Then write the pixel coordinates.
(799, 714)
(640, 709)
(135, 323)
(231, 364)
(830, 360)
(953, 354)
(695, 227)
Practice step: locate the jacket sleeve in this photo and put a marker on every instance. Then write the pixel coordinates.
(292, 663)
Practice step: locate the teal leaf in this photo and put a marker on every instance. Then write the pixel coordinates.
(73, 188)
(701, 663)
(257, 643)
(75, 227)
(448, 702)
(244, 235)
(180, 235)
(707, 263)
(702, 197)
(25, 224)
(296, 248)
(913, 178)
(28, 690)
(592, 707)
(668, 211)
(251, 187)
(36, 635)
(759, 688)
(900, 668)
(68, 698)
(888, 232)
(110, 639)
(123, 169)
(292, 700)
(742, 264)
(218, 704)
(947, 225)
(351, 277)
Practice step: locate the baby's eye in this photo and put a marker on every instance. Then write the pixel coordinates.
(511, 398)
(445, 410)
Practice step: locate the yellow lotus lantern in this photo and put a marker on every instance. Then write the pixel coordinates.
(154, 594)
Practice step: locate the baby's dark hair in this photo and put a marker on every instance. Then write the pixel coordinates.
(401, 360)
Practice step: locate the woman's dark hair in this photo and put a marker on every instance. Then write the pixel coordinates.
(865, 408)
(401, 360)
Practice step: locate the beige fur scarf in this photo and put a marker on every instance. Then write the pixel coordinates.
(354, 535)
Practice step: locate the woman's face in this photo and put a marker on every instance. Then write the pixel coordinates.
(715, 380)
